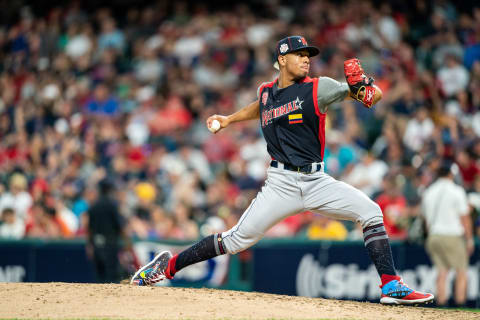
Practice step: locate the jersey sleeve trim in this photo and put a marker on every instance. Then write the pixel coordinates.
(259, 90)
(265, 85)
(306, 80)
(321, 133)
(321, 117)
(315, 95)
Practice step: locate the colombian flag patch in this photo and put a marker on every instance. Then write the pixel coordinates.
(295, 118)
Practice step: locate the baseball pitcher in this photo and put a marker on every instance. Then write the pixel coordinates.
(292, 111)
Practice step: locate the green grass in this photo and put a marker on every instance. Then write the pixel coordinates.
(460, 309)
(468, 309)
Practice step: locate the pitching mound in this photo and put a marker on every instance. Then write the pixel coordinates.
(113, 301)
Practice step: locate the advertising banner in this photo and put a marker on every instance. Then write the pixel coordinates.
(44, 261)
(66, 261)
(344, 271)
(340, 270)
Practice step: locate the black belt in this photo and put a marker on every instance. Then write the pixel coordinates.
(304, 169)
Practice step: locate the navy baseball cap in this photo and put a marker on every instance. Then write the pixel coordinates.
(292, 44)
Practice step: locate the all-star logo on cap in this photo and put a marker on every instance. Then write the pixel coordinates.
(283, 48)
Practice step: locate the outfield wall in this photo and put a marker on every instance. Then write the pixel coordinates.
(327, 269)
(342, 270)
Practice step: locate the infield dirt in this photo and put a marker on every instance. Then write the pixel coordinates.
(115, 301)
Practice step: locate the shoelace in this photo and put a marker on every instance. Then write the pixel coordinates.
(400, 287)
(154, 276)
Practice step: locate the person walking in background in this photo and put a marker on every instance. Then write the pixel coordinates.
(105, 230)
(449, 242)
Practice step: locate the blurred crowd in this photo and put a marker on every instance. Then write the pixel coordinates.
(88, 95)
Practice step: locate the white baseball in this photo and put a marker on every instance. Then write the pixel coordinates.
(215, 126)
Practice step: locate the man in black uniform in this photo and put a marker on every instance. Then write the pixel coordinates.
(105, 230)
(292, 111)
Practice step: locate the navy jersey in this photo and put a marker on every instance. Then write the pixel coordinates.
(293, 118)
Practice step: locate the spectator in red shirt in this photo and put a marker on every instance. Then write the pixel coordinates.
(44, 224)
(468, 168)
(394, 207)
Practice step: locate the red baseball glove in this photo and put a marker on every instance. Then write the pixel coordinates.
(358, 82)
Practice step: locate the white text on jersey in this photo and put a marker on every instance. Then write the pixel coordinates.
(273, 113)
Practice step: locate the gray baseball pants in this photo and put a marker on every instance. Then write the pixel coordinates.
(286, 193)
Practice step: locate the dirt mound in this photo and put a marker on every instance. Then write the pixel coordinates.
(113, 301)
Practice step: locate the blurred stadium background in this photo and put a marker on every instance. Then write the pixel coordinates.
(121, 89)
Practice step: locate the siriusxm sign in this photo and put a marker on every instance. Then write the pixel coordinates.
(344, 271)
(348, 281)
